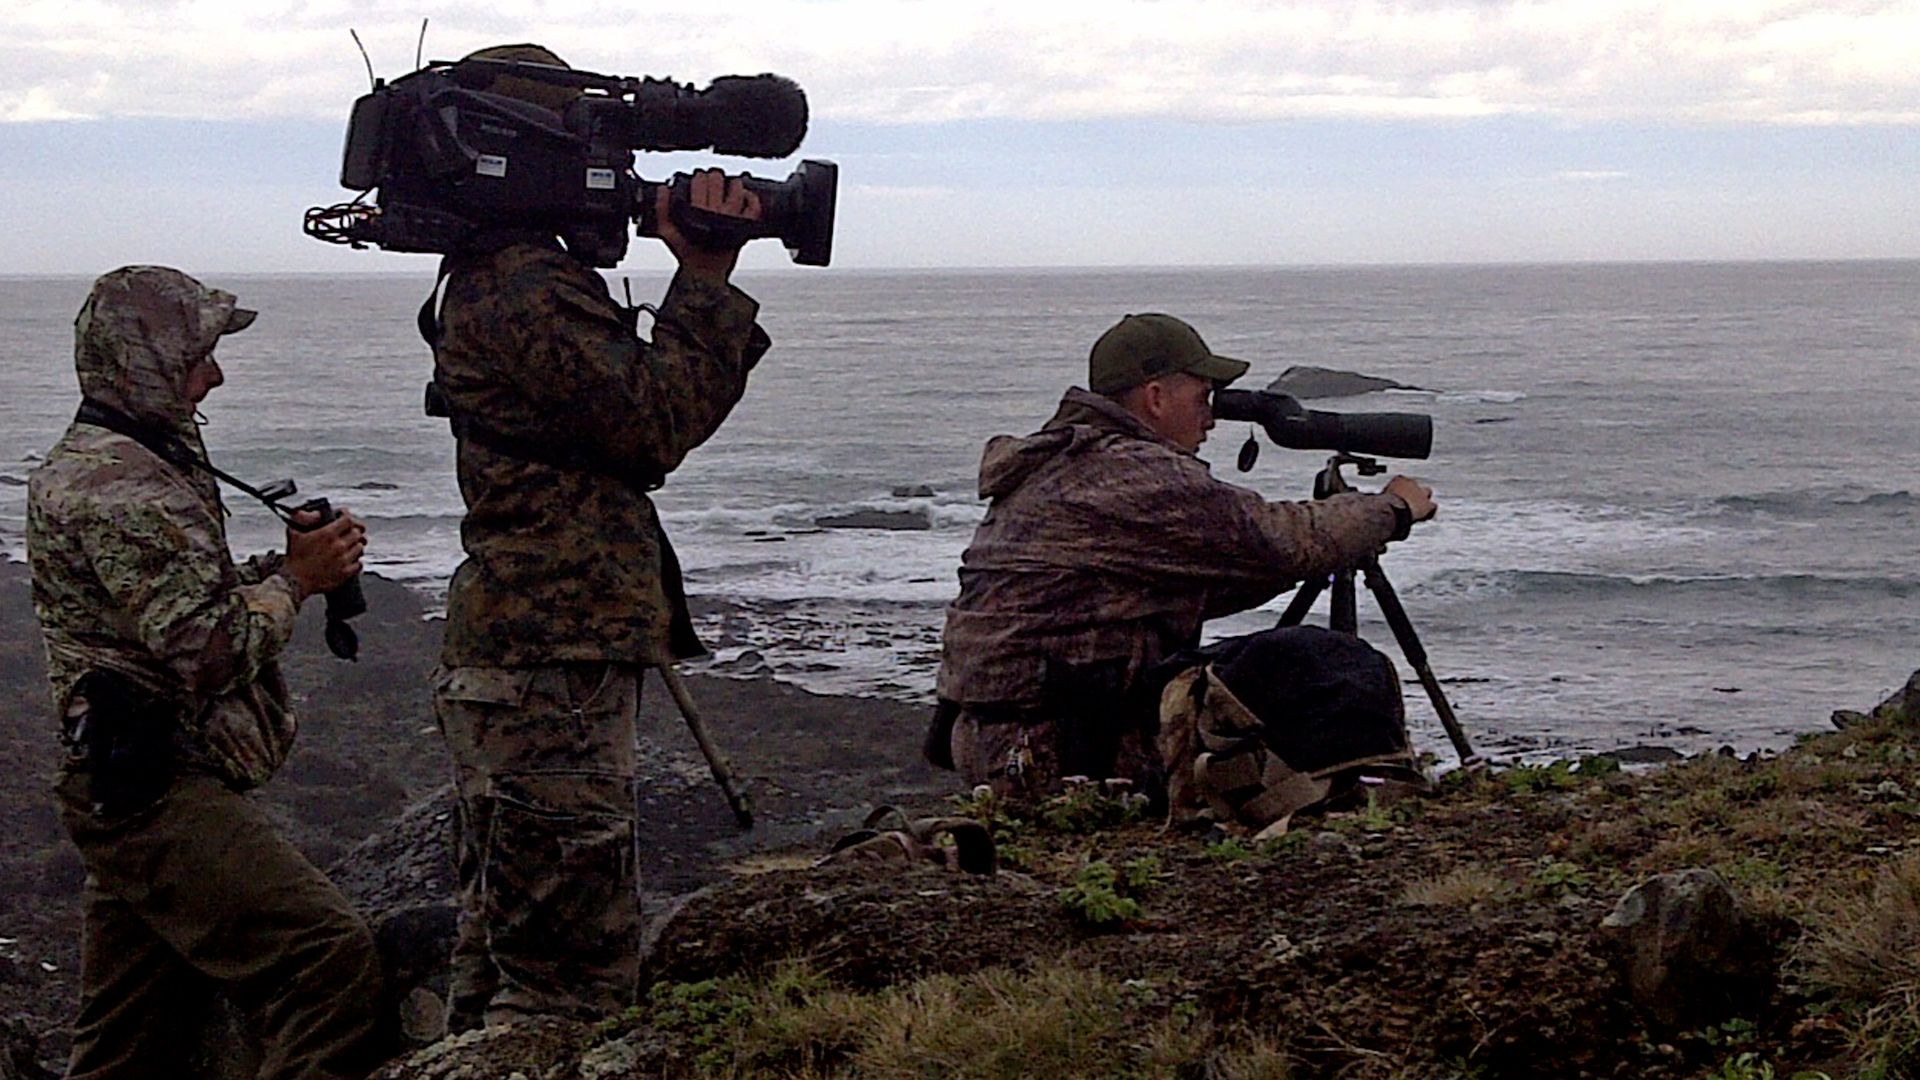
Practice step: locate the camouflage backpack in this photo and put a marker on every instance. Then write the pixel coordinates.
(1261, 727)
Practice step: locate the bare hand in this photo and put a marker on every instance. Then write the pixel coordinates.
(715, 192)
(323, 558)
(1417, 496)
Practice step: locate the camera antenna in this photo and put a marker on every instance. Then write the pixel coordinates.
(420, 46)
(372, 79)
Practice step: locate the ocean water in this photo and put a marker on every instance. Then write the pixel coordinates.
(1680, 504)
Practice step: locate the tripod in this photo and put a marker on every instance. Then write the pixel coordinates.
(1343, 614)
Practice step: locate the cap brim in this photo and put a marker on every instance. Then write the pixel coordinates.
(239, 320)
(1219, 370)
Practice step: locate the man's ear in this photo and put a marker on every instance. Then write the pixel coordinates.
(1153, 398)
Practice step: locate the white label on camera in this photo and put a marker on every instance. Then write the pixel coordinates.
(599, 179)
(490, 165)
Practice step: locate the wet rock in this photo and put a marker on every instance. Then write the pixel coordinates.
(19, 1051)
(423, 1017)
(540, 1047)
(1903, 707)
(402, 880)
(898, 520)
(882, 924)
(1645, 754)
(415, 943)
(1687, 951)
(1307, 381)
(913, 491)
(749, 663)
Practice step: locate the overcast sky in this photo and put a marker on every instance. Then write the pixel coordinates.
(1119, 132)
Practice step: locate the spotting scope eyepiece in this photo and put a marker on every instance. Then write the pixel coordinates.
(1290, 424)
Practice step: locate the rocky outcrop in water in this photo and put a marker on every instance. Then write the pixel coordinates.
(896, 520)
(1901, 707)
(1305, 381)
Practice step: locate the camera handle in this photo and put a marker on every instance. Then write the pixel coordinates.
(797, 211)
(1343, 613)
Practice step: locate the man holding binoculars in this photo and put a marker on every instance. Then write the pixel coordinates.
(163, 660)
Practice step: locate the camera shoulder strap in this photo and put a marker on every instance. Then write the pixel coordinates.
(164, 446)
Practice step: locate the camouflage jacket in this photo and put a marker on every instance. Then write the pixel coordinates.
(1104, 543)
(131, 571)
(576, 417)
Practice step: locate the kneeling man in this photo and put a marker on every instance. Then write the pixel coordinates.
(1107, 544)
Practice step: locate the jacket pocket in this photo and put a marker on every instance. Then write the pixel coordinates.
(248, 733)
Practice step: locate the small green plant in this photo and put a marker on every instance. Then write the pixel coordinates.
(1229, 850)
(1752, 871)
(1459, 1068)
(1018, 856)
(983, 806)
(1527, 779)
(1378, 817)
(1291, 840)
(1096, 896)
(703, 1013)
(1084, 809)
(1727, 1034)
(1595, 766)
(1747, 1066)
(1141, 874)
(1557, 876)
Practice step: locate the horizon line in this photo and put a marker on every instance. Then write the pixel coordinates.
(1070, 268)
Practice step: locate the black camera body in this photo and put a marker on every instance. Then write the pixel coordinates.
(453, 161)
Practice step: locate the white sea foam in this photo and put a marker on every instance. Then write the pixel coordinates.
(1480, 397)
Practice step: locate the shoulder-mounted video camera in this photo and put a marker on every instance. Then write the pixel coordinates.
(453, 161)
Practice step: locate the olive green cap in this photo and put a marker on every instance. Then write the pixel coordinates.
(533, 91)
(1140, 348)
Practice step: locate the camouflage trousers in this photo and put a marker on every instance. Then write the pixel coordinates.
(196, 892)
(549, 914)
(1025, 756)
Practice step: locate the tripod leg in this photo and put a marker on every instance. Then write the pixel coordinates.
(1416, 654)
(1302, 603)
(716, 760)
(1343, 614)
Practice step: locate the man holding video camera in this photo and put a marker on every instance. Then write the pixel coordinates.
(163, 660)
(1107, 544)
(565, 420)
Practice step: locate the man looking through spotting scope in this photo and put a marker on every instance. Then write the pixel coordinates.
(1106, 545)
(565, 420)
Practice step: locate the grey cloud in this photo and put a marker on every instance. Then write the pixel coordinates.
(1758, 61)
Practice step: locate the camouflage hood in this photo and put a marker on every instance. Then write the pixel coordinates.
(139, 333)
(1083, 419)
